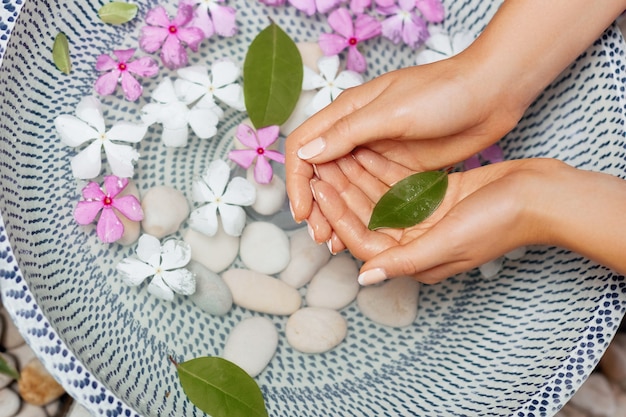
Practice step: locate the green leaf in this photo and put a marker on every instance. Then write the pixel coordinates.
(61, 53)
(6, 369)
(220, 388)
(117, 12)
(272, 77)
(410, 201)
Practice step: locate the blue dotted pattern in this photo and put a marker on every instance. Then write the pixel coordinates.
(517, 344)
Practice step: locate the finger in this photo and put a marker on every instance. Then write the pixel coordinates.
(298, 174)
(319, 228)
(358, 177)
(377, 165)
(335, 245)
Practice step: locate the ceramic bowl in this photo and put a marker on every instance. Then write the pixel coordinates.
(519, 343)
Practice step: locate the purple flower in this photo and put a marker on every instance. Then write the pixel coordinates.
(258, 149)
(310, 7)
(170, 35)
(212, 18)
(432, 10)
(122, 70)
(273, 3)
(491, 155)
(404, 24)
(349, 35)
(108, 203)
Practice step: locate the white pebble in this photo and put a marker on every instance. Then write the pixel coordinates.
(5, 380)
(315, 330)
(307, 257)
(9, 402)
(214, 252)
(299, 113)
(392, 303)
(269, 197)
(310, 53)
(132, 229)
(212, 294)
(11, 336)
(335, 285)
(251, 344)
(491, 268)
(262, 293)
(30, 410)
(22, 354)
(516, 253)
(165, 209)
(264, 248)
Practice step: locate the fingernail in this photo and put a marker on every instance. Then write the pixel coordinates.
(312, 185)
(372, 276)
(329, 243)
(315, 171)
(311, 233)
(293, 216)
(312, 149)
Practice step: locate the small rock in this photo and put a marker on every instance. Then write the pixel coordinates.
(335, 285)
(310, 53)
(307, 257)
(595, 396)
(9, 402)
(252, 344)
(392, 303)
(36, 385)
(212, 294)
(11, 336)
(271, 197)
(569, 410)
(30, 410)
(6, 380)
(315, 330)
(613, 362)
(516, 253)
(299, 113)
(22, 354)
(491, 268)
(262, 293)
(214, 252)
(620, 404)
(132, 229)
(264, 248)
(165, 209)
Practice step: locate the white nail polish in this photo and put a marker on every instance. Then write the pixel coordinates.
(312, 149)
(373, 276)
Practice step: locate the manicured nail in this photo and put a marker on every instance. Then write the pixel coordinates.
(312, 185)
(312, 149)
(329, 243)
(311, 233)
(293, 216)
(372, 276)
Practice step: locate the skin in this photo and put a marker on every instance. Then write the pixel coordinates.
(432, 116)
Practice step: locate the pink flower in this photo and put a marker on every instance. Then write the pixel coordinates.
(310, 7)
(349, 35)
(404, 24)
(490, 155)
(106, 202)
(432, 10)
(258, 144)
(273, 3)
(170, 35)
(212, 18)
(122, 70)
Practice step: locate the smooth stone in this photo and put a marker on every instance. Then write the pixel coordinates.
(22, 354)
(11, 336)
(307, 257)
(490, 269)
(132, 229)
(569, 410)
(335, 285)
(164, 208)
(262, 293)
(310, 53)
(6, 380)
(9, 403)
(212, 294)
(613, 361)
(271, 197)
(251, 344)
(299, 113)
(30, 410)
(214, 252)
(36, 386)
(315, 329)
(392, 303)
(264, 248)
(595, 396)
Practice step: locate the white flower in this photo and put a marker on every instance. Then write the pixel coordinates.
(442, 45)
(329, 81)
(165, 264)
(172, 112)
(223, 196)
(195, 84)
(88, 124)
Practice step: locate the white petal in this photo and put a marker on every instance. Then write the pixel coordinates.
(201, 193)
(196, 74)
(328, 66)
(159, 288)
(133, 271)
(127, 132)
(207, 102)
(440, 42)
(334, 93)
(321, 100)
(460, 41)
(216, 176)
(428, 57)
(175, 254)
(89, 110)
(174, 115)
(189, 91)
(181, 281)
(164, 92)
(203, 122)
(239, 191)
(121, 158)
(73, 131)
(312, 80)
(204, 219)
(87, 163)
(151, 112)
(491, 268)
(147, 247)
(232, 95)
(175, 138)
(348, 79)
(224, 72)
(233, 219)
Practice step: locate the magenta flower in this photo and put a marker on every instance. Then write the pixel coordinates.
(273, 3)
(258, 143)
(310, 7)
(122, 70)
(403, 24)
(490, 155)
(107, 202)
(349, 35)
(359, 6)
(432, 10)
(212, 17)
(171, 35)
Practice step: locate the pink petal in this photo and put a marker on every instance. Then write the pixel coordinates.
(341, 22)
(471, 162)
(275, 156)
(267, 135)
(114, 185)
(356, 60)
(305, 6)
(86, 211)
(152, 38)
(158, 17)
(92, 191)
(243, 157)
(131, 87)
(129, 206)
(173, 54)
(192, 36)
(432, 10)
(105, 63)
(109, 227)
(124, 55)
(203, 21)
(415, 32)
(263, 172)
(493, 153)
(385, 3)
(224, 20)
(366, 27)
(359, 6)
(183, 15)
(331, 44)
(392, 28)
(144, 67)
(247, 136)
(107, 83)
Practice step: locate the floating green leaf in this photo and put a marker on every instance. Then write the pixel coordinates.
(272, 77)
(61, 53)
(410, 201)
(117, 12)
(7, 369)
(220, 388)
